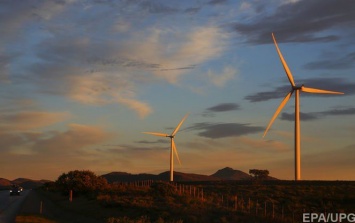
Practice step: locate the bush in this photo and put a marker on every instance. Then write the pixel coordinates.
(163, 189)
(81, 182)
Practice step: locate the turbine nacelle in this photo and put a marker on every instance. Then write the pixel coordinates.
(294, 88)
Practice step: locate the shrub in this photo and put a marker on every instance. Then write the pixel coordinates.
(81, 182)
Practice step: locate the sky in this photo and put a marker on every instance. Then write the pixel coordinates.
(80, 80)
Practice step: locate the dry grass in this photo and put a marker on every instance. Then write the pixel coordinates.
(32, 219)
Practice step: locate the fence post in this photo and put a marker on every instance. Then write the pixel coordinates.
(236, 202)
(282, 212)
(249, 205)
(40, 207)
(71, 195)
(265, 209)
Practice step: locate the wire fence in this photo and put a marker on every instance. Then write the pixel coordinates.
(271, 210)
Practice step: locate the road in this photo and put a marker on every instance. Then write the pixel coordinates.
(10, 205)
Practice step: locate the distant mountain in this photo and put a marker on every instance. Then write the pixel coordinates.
(228, 173)
(222, 174)
(4, 183)
(23, 182)
(178, 176)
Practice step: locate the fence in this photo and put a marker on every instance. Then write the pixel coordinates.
(239, 203)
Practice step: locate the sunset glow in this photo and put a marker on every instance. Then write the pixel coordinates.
(81, 80)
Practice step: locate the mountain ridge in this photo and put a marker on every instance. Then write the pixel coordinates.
(223, 174)
(23, 182)
(226, 173)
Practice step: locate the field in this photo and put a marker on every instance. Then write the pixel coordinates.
(224, 201)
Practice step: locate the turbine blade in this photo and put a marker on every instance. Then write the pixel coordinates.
(286, 68)
(179, 125)
(156, 134)
(283, 103)
(318, 91)
(175, 150)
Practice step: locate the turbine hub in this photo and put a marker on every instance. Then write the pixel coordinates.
(297, 87)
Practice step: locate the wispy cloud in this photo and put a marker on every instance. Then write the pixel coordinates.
(109, 65)
(30, 120)
(75, 138)
(311, 18)
(335, 84)
(345, 62)
(317, 115)
(221, 130)
(220, 79)
(303, 116)
(217, 2)
(52, 143)
(222, 107)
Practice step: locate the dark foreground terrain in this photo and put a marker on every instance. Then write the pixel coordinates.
(218, 201)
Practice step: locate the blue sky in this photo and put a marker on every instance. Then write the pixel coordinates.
(80, 81)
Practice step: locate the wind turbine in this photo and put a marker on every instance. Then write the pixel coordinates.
(173, 146)
(297, 90)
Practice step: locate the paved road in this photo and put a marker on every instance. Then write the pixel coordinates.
(10, 205)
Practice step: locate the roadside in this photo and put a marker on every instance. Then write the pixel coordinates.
(38, 208)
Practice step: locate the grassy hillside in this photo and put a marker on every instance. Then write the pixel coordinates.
(216, 201)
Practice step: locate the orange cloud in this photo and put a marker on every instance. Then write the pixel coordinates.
(75, 138)
(24, 121)
(48, 154)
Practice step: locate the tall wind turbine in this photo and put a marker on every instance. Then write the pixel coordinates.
(297, 90)
(173, 146)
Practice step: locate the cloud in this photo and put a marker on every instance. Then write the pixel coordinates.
(30, 120)
(221, 130)
(312, 19)
(222, 78)
(106, 72)
(54, 152)
(105, 56)
(342, 111)
(332, 164)
(77, 137)
(152, 142)
(16, 14)
(345, 62)
(52, 143)
(217, 2)
(303, 116)
(157, 7)
(263, 145)
(224, 107)
(267, 95)
(5, 62)
(335, 84)
(317, 115)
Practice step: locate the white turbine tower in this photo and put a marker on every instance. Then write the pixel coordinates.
(173, 146)
(297, 90)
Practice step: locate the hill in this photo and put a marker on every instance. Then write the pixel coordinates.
(4, 183)
(178, 176)
(222, 174)
(228, 173)
(23, 182)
